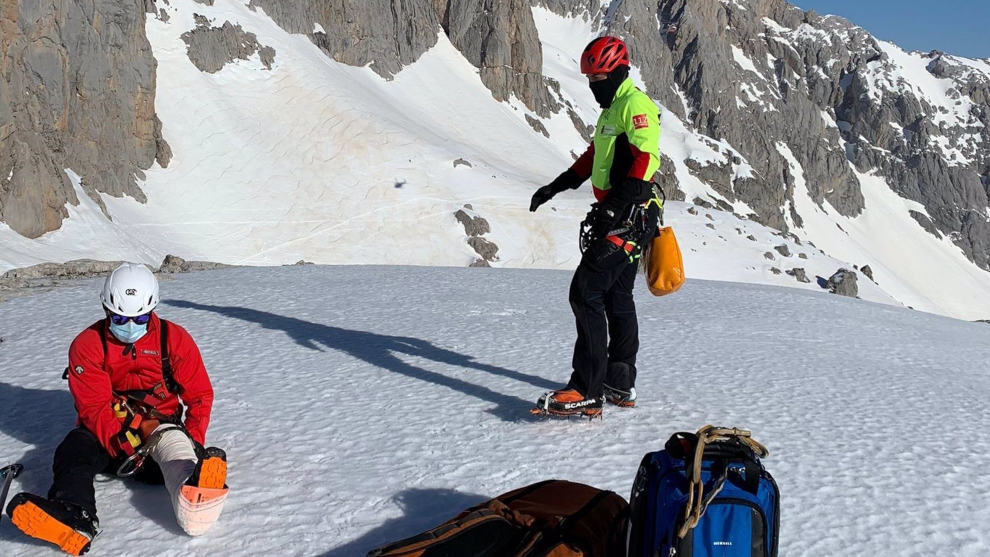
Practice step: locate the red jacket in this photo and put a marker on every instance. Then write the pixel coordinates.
(95, 376)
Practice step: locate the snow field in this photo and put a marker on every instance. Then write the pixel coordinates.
(359, 405)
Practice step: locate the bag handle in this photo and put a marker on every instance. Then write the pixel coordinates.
(657, 194)
(697, 502)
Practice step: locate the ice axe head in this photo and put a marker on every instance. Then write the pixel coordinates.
(12, 470)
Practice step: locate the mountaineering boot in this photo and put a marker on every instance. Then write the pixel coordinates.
(568, 402)
(200, 500)
(618, 397)
(211, 470)
(68, 526)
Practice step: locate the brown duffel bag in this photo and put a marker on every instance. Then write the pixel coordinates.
(553, 518)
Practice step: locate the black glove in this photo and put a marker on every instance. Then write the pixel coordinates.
(541, 196)
(568, 180)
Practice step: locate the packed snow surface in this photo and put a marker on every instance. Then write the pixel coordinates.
(359, 405)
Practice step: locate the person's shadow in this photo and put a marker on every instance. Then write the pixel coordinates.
(423, 508)
(152, 501)
(380, 350)
(41, 418)
(38, 418)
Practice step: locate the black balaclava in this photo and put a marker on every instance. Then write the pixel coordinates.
(604, 90)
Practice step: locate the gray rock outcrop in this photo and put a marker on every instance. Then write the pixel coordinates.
(212, 48)
(175, 264)
(537, 125)
(667, 179)
(77, 268)
(475, 226)
(37, 278)
(843, 283)
(74, 75)
(799, 274)
(497, 36)
(488, 251)
(387, 34)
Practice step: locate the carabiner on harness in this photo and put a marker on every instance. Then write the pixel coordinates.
(136, 461)
(587, 236)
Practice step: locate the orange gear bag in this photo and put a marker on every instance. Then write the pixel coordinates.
(665, 268)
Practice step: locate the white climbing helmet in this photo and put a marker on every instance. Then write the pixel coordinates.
(130, 290)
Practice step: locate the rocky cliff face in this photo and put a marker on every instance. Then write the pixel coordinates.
(212, 48)
(77, 90)
(497, 36)
(738, 85)
(388, 34)
(787, 98)
(776, 83)
(934, 149)
(502, 41)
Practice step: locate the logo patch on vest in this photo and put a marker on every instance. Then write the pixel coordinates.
(640, 121)
(149, 352)
(78, 370)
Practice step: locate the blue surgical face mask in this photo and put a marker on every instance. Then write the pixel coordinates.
(129, 332)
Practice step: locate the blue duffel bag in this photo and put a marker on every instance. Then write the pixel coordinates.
(705, 495)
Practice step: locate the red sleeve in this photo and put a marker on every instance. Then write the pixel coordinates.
(640, 162)
(90, 386)
(583, 165)
(190, 373)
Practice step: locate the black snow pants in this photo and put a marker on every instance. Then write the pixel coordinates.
(607, 329)
(78, 459)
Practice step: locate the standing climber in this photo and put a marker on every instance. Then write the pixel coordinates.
(621, 160)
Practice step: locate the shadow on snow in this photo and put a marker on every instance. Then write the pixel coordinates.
(380, 350)
(423, 509)
(41, 418)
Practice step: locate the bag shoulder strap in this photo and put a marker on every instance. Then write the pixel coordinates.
(168, 377)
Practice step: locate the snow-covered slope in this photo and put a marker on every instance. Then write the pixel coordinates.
(363, 404)
(319, 161)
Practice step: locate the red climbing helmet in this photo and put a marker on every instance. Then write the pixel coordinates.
(603, 55)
